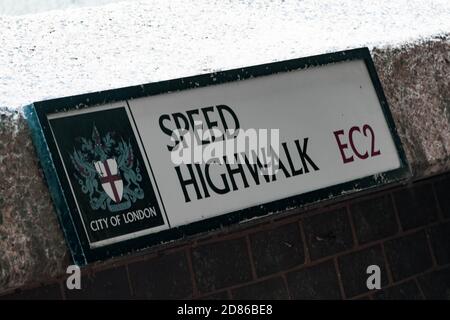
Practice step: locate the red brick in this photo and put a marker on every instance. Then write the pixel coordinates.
(48, 292)
(271, 289)
(221, 264)
(316, 282)
(374, 219)
(436, 285)
(106, 284)
(440, 241)
(277, 249)
(353, 269)
(442, 188)
(328, 233)
(408, 255)
(165, 277)
(416, 206)
(405, 291)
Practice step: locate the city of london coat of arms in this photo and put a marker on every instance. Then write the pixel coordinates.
(107, 171)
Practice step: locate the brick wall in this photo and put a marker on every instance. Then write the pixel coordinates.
(320, 253)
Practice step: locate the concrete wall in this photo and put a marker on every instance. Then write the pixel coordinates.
(416, 82)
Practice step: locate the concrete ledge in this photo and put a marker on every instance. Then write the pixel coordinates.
(416, 83)
(32, 245)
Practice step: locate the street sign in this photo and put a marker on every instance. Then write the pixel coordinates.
(133, 167)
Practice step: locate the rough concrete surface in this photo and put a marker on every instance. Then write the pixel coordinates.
(31, 242)
(416, 82)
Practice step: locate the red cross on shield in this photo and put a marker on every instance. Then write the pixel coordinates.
(110, 179)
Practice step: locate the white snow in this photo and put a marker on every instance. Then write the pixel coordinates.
(18, 7)
(67, 52)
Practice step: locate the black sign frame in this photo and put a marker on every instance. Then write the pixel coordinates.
(64, 202)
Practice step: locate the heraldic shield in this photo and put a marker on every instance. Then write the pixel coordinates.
(107, 174)
(110, 178)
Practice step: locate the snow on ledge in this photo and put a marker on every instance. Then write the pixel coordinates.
(21, 7)
(61, 53)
